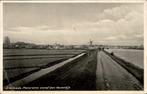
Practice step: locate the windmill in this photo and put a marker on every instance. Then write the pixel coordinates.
(90, 42)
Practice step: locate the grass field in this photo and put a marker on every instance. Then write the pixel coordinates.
(20, 61)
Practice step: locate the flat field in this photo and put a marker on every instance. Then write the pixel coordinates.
(19, 61)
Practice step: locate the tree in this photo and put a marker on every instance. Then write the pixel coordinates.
(7, 40)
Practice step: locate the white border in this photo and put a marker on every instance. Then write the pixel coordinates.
(76, 92)
(145, 46)
(1, 40)
(74, 1)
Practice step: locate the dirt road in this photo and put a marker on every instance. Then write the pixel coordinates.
(111, 76)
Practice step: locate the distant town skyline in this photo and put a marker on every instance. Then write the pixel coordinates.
(74, 23)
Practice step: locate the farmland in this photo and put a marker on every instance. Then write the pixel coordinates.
(21, 61)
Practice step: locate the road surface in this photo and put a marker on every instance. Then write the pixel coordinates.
(111, 76)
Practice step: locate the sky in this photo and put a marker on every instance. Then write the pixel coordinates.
(74, 23)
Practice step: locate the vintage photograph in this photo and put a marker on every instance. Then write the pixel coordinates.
(73, 46)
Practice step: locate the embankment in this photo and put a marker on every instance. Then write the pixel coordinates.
(77, 74)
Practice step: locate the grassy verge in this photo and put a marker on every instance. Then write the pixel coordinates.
(78, 74)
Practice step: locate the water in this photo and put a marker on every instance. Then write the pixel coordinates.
(131, 55)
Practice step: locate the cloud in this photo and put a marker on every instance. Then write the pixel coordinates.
(119, 12)
(117, 25)
(124, 23)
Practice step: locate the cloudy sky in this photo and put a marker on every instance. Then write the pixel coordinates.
(74, 23)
